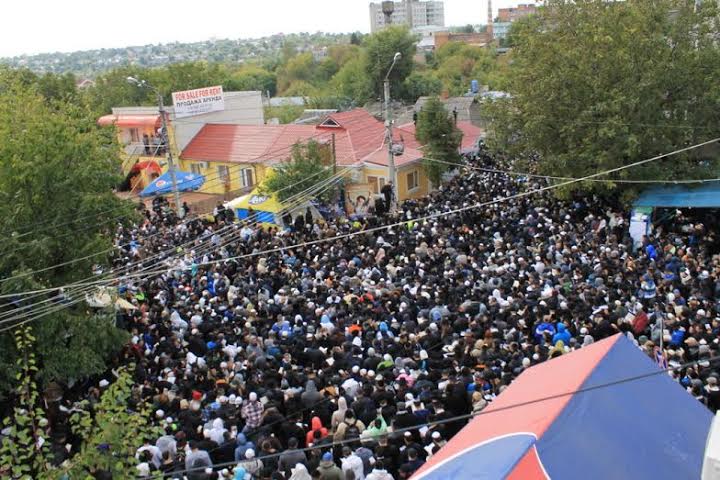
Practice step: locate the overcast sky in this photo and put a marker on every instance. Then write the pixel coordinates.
(37, 26)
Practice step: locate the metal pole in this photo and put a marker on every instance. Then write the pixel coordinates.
(388, 135)
(334, 160)
(171, 165)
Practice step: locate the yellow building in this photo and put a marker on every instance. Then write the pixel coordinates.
(143, 154)
(235, 158)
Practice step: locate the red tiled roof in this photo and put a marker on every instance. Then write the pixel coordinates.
(365, 134)
(358, 137)
(245, 143)
(380, 157)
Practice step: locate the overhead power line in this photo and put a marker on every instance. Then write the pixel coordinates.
(441, 214)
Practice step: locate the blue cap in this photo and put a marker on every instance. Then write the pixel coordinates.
(327, 457)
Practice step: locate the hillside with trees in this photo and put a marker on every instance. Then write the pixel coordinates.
(90, 63)
(330, 71)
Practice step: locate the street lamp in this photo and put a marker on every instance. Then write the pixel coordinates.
(163, 139)
(388, 121)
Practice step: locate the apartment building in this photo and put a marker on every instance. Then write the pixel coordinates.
(412, 13)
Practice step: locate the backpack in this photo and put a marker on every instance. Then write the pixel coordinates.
(352, 430)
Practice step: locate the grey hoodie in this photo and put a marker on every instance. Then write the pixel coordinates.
(310, 397)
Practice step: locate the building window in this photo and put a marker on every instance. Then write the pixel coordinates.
(412, 180)
(196, 168)
(375, 183)
(223, 174)
(247, 179)
(134, 135)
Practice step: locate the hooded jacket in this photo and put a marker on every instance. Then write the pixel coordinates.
(339, 415)
(299, 472)
(243, 445)
(315, 425)
(330, 471)
(562, 334)
(310, 397)
(379, 474)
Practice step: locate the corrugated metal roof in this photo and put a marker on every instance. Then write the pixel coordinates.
(130, 120)
(678, 196)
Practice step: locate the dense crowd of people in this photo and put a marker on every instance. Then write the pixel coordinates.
(267, 353)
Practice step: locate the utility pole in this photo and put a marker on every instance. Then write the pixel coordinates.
(164, 139)
(388, 122)
(171, 164)
(334, 160)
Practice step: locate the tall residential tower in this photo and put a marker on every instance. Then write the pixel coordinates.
(413, 13)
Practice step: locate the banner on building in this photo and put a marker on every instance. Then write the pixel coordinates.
(196, 102)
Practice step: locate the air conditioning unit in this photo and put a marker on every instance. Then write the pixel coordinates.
(356, 176)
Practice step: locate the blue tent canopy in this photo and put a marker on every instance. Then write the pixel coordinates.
(678, 196)
(186, 181)
(567, 417)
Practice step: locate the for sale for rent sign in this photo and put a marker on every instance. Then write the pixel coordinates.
(196, 102)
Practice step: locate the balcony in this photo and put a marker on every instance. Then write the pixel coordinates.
(138, 149)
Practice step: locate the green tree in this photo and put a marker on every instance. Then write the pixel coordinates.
(112, 90)
(342, 54)
(380, 48)
(352, 81)
(109, 423)
(58, 87)
(300, 88)
(284, 113)
(436, 130)
(325, 70)
(596, 85)
(24, 453)
(457, 64)
(57, 213)
(421, 85)
(300, 68)
(306, 167)
(118, 423)
(252, 77)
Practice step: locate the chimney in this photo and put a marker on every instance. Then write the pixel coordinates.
(490, 22)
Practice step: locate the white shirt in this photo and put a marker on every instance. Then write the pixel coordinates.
(353, 463)
(156, 454)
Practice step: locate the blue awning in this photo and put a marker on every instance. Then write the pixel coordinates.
(186, 181)
(679, 196)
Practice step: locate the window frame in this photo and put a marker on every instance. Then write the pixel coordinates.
(244, 173)
(415, 176)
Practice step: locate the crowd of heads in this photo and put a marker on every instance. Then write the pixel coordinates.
(273, 352)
